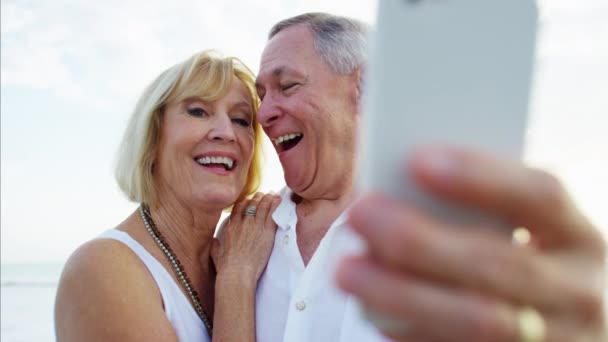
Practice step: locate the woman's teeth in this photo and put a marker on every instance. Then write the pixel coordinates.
(227, 162)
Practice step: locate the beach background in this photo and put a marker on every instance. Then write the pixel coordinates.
(71, 72)
(28, 293)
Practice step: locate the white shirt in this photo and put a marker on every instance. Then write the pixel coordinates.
(302, 303)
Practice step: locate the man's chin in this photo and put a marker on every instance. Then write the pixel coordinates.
(300, 191)
(294, 184)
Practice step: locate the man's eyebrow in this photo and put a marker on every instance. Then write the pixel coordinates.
(277, 73)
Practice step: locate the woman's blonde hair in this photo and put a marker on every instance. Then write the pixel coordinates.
(206, 76)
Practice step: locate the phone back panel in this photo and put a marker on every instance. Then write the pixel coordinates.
(445, 71)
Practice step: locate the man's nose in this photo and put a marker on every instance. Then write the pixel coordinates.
(269, 111)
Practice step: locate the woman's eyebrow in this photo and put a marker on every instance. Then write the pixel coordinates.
(242, 104)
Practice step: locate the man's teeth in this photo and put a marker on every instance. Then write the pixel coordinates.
(229, 162)
(286, 137)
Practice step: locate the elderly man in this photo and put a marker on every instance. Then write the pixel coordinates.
(418, 271)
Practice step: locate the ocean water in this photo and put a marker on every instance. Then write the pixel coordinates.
(27, 299)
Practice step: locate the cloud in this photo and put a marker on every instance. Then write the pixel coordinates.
(101, 54)
(98, 51)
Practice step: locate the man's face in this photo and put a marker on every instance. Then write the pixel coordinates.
(310, 114)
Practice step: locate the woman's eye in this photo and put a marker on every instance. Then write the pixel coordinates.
(197, 112)
(241, 122)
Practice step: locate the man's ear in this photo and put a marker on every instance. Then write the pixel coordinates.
(358, 74)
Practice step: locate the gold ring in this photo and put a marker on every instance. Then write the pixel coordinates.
(531, 325)
(387, 324)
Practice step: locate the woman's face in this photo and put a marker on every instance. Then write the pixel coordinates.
(205, 149)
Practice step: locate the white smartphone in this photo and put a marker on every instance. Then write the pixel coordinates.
(445, 71)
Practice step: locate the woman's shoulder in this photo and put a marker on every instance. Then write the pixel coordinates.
(103, 285)
(105, 265)
(113, 254)
(104, 255)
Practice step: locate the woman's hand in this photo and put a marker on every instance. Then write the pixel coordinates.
(446, 283)
(240, 255)
(245, 242)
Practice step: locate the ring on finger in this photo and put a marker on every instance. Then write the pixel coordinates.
(250, 210)
(385, 323)
(531, 325)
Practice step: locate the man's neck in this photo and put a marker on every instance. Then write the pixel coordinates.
(315, 217)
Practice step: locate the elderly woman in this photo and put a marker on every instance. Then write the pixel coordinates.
(191, 149)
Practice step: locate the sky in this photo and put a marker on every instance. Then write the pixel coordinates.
(71, 72)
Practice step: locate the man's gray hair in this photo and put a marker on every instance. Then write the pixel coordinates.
(340, 41)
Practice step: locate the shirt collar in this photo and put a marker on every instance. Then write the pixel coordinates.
(285, 215)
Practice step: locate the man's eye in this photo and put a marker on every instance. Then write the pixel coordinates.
(241, 122)
(197, 112)
(288, 86)
(261, 94)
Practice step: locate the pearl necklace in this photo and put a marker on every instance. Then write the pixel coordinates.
(178, 269)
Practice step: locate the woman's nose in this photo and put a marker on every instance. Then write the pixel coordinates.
(222, 129)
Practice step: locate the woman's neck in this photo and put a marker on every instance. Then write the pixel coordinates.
(189, 231)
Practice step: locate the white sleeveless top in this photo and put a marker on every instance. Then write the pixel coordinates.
(180, 312)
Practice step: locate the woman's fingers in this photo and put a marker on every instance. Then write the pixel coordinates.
(238, 210)
(269, 222)
(247, 242)
(263, 210)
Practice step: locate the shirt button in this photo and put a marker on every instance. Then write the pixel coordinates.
(286, 240)
(301, 305)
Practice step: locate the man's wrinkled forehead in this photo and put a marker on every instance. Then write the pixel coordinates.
(284, 53)
(276, 72)
(287, 45)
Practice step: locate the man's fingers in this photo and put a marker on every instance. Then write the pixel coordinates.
(406, 240)
(526, 197)
(425, 309)
(428, 311)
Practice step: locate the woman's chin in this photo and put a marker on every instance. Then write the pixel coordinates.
(217, 199)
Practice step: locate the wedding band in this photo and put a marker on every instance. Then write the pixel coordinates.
(531, 325)
(250, 210)
(385, 323)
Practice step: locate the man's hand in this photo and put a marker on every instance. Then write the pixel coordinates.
(449, 283)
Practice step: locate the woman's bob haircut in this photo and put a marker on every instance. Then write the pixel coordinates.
(205, 75)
